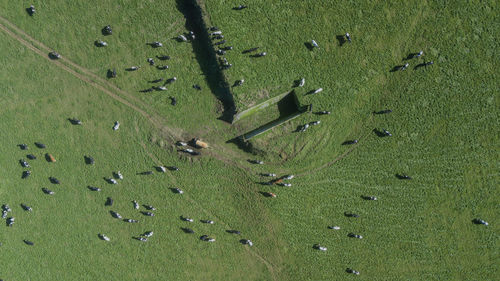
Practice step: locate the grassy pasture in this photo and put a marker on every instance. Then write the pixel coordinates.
(444, 124)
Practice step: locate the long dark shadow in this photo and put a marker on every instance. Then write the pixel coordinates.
(206, 57)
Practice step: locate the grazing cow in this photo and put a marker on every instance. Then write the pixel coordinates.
(269, 194)
(480, 221)
(182, 38)
(40, 145)
(187, 219)
(31, 156)
(173, 101)
(133, 68)
(419, 54)
(149, 214)
(268, 175)
(258, 162)
(262, 54)
(47, 191)
(350, 270)
(386, 133)
(403, 177)
(334, 227)
(369, 198)
(163, 57)
(218, 37)
(93, 188)
(197, 87)
(181, 143)
(89, 160)
(385, 111)
(54, 55)
(112, 181)
(23, 146)
(112, 73)
(191, 35)
(148, 234)
(314, 44)
(239, 7)
(302, 82)
(24, 164)
(115, 215)
(246, 242)
(348, 36)
(178, 190)
(288, 177)
(348, 142)
(103, 237)
(227, 48)
(314, 123)
(160, 88)
(162, 169)
(207, 239)
(6, 208)
(285, 184)
(319, 247)
(187, 230)
(142, 239)
(10, 221)
(31, 10)
(351, 215)
(136, 205)
(149, 207)
(100, 43)
(207, 221)
(171, 80)
(26, 174)
(28, 242)
(109, 201)
(150, 61)
(75, 121)
(221, 52)
(156, 44)
(238, 82)
(4, 214)
(116, 126)
(220, 42)
(429, 63)
(216, 33)
(352, 235)
(304, 128)
(404, 67)
(54, 180)
(214, 28)
(324, 112)
(107, 30)
(130, 220)
(233, 231)
(162, 67)
(119, 175)
(173, 168)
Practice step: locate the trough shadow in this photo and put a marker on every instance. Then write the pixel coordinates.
(206, 57)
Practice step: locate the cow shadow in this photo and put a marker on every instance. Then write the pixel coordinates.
(341, 40)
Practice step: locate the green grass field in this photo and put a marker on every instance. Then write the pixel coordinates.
(444, 125)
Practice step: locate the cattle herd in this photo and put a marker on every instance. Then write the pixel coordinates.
(148, 210)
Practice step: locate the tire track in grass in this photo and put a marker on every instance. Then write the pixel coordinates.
(268, 264)
(87, 76)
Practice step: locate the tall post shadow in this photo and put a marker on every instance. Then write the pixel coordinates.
(205, 55)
